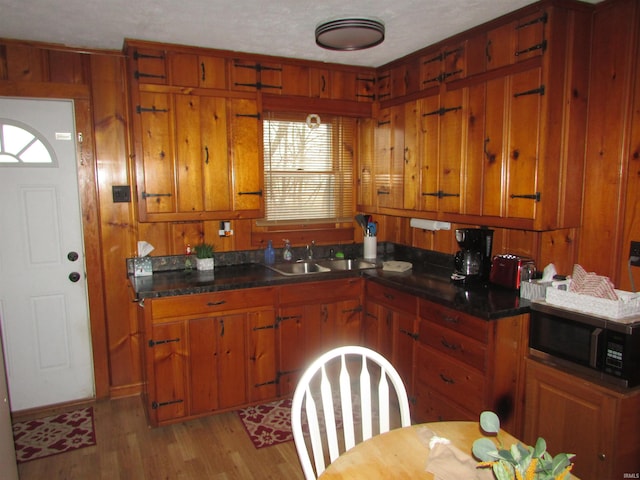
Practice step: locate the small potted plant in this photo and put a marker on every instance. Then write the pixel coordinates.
(204, 256)
(520, 461)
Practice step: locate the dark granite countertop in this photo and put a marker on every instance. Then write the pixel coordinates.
(431, 283)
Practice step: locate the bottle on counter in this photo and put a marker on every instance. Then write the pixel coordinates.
(287, 254)
(269, 254)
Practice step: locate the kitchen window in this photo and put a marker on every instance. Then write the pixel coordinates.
(308, 168)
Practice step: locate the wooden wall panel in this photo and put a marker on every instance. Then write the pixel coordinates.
(600, 247)
(632, 155)
(117, 221)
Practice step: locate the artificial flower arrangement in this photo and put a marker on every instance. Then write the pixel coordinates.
(520, 462)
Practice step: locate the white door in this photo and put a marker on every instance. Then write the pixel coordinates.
(44, 315)
(8, 465)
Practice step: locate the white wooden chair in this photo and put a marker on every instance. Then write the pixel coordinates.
(328, 377)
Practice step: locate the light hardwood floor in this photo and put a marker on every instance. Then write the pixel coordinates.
(216, 447)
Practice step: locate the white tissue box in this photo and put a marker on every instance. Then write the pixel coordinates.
(142, 267)
(628, 303)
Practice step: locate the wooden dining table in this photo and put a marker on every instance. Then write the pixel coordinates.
(403, 452)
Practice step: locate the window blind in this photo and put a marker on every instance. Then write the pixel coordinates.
(308, 168)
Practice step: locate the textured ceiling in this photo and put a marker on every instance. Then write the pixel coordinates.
(281, 27)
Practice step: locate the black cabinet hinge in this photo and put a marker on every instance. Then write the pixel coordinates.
(533, 91)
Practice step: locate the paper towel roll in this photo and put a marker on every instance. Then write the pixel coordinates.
(429, 224)
(370, 247)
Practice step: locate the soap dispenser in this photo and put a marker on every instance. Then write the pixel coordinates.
(287, 254)
(269, 254)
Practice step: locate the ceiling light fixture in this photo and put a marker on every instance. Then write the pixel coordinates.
(350, 34)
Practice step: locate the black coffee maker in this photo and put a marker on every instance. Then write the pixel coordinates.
(473, 261)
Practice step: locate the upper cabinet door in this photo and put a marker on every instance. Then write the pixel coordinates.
(441, 120)
(522, 157)
(389, 158)
(193, 70)
(245, 135)
(148, 65)
(155, 170)
(253, 76)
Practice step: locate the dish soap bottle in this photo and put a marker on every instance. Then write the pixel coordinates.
(287, 254)
(269, 254)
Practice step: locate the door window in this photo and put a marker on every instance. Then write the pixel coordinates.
(20, 145)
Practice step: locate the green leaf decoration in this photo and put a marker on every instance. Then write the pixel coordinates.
(507, 456)
(515, 462)
(540, 448)
(489, 422)
(484, 450)
(560, 462)
(503, 471)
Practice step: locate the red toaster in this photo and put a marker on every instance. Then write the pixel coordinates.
(510, 270)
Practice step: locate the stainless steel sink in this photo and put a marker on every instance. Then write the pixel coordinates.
(321, 266)
(298, 268)
(347, 264)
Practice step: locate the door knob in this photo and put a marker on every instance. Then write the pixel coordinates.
(74, 277)
(72, 256)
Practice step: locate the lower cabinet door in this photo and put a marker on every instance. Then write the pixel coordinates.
(262, 368)
(572, 417)
(232, 364)
(168, 398)
(204, 365)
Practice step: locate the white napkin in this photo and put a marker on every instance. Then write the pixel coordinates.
(448, 462)
(144, 249)
(549, 272)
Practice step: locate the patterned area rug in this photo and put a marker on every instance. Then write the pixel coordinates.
(53, 435)
(268, 424)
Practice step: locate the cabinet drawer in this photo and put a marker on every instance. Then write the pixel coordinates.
(453, 319)
(392, 298)
(452, 379)
(206, 303)
(454, 344)
(314, 292)
(430, 406)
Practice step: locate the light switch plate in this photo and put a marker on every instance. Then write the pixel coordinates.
(121, 193)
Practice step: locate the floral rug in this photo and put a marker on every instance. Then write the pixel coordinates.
(268, 424)
(52, 435)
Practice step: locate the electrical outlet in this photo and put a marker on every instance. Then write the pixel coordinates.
(634, 254)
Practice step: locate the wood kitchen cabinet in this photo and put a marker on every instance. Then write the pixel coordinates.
(443, 63)
(441, 138)
(598, 424)
(521, 37)
(389, 157)
(166, 364)
(502, 143)
(197, 70)
(465, 364)
(313, 318)
(390, 327)
(208, 352)
(199, 158)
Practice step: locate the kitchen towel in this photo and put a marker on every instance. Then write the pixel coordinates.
(396, 266)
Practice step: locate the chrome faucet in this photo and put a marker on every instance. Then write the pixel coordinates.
(310, 250)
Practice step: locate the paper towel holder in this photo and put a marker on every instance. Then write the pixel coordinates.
(432, 225)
